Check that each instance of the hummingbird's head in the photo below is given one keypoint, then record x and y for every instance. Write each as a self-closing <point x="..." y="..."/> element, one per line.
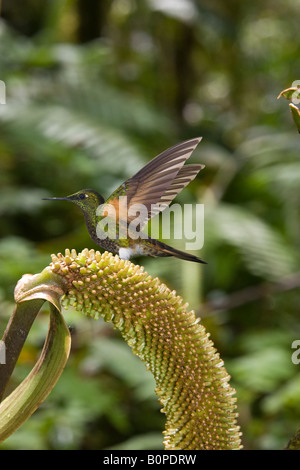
<point x="87" y="199"/>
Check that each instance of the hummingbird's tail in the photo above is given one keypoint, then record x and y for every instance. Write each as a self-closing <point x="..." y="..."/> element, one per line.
<point x="161" y="249"/>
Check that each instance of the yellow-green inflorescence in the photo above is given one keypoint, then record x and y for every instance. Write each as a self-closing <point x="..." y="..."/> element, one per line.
<point x="191" y="381"/>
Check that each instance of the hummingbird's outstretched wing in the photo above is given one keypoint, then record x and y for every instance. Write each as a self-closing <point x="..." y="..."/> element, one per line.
<point x="157" y="183"/>
<point x="185" y="175"/>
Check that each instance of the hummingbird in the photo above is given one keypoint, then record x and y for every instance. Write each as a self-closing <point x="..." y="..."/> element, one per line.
<point x="151" y="189"/>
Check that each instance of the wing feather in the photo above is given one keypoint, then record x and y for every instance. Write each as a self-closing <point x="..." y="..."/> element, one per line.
<point x="185" y="175"/>
<point x="160" y="180"/>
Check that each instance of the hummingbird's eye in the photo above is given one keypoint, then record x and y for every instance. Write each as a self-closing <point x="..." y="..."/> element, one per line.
<point x="82" y="196"/>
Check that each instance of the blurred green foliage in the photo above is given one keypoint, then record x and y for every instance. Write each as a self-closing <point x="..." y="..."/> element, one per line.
<point x="94" y="90"/>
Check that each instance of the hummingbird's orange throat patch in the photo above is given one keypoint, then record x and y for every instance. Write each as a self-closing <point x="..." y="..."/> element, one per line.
<point x="116" y="208"/>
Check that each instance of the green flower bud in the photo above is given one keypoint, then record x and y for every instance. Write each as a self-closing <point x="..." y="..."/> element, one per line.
<point x="191" y="382"/>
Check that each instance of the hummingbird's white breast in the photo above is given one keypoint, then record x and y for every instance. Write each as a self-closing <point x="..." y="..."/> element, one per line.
<point x="127" y="253"/>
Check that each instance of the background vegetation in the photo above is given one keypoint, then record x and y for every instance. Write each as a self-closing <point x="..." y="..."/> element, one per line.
<point x="94" y="90"/>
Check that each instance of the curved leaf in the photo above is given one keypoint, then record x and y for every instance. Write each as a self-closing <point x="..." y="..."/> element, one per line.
<point x="26" y="398"/>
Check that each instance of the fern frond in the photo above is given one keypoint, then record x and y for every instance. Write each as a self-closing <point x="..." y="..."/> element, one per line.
<point x="262" y="248"/>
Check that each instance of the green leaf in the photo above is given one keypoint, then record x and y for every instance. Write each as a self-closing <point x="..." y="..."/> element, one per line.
<point x="293" y="94"/>
<point x="26" y="398"/>
<point x="296" y="115"/>
<point x="290" y="93"/>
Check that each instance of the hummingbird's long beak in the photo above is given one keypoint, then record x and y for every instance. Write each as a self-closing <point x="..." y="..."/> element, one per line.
<point x="55" y="199"/>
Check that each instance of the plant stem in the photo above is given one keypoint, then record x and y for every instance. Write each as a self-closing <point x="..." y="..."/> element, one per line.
<point x="14" y="337"/>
